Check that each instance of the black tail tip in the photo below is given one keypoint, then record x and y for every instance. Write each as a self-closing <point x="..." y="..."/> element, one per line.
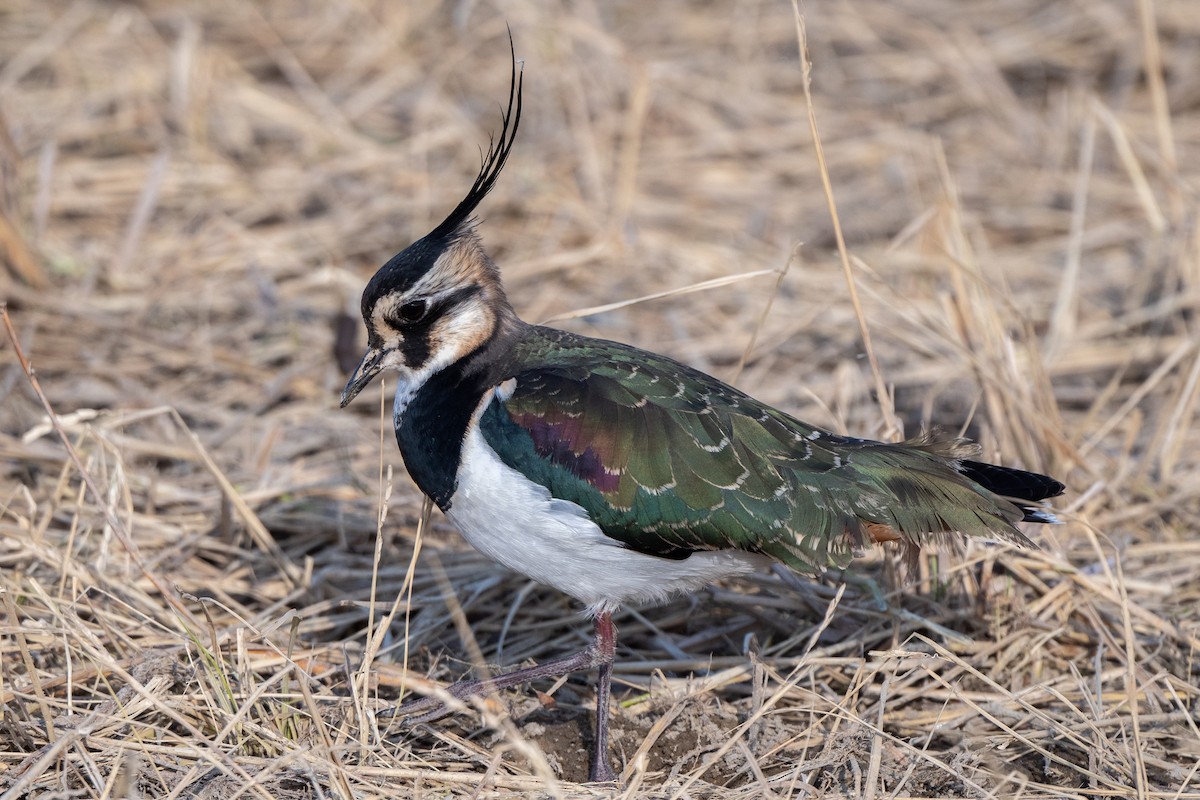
<point x="1017" y="484"/>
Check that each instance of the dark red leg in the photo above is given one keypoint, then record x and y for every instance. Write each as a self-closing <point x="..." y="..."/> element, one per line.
<point x="605" y="646"/>
<point x="599" y="653"/>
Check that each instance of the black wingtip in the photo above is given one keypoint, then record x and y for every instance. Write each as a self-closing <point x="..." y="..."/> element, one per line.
<point x="497" y="152"/>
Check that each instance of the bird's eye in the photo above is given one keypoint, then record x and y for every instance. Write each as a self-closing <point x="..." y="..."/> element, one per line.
<point x="412" y="311"/>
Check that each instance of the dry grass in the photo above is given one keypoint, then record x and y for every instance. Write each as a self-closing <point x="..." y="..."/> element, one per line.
<point x="194" y="193"/>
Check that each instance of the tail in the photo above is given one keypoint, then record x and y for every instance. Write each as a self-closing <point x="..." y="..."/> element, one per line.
<point x="1022" y="487"/>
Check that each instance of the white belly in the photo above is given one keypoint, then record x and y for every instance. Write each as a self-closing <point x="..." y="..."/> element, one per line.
<point x="515" y="521"/>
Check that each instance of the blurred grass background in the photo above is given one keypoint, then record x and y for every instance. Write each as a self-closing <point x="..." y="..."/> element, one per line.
<point x="194" y="195"/>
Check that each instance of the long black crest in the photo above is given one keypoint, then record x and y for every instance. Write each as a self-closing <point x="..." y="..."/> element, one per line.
<point x="497" y="154"/>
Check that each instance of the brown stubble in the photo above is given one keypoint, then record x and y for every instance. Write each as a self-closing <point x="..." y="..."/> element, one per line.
<point x="207" y="187"/>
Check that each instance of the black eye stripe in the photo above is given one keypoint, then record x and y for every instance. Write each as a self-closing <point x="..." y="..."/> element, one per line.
<point x="431" y="310"/>
<point x="416" y="345"/>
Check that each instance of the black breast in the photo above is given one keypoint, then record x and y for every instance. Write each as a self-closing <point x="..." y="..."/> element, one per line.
<point x="432" y="430"/>
<point x="434" y="426"/>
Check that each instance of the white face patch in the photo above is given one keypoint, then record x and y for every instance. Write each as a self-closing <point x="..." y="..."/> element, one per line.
<point x="463" y="329"/>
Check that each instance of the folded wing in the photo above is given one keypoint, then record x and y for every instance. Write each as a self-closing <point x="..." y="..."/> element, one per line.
<point x="668" y="461"/>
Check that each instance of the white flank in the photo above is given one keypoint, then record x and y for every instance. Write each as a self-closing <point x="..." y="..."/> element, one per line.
<point x="516" y="522"/>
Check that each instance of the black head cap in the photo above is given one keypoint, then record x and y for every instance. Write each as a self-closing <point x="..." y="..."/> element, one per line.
<point x="406" y="267"/>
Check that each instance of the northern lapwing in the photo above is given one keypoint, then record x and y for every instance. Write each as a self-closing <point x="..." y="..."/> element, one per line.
<point x="617" y="475"/>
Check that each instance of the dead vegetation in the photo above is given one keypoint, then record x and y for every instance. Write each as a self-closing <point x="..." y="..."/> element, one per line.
<point x="196" y="598"/>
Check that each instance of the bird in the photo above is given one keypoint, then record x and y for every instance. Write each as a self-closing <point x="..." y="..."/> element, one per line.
<point x="617" y="475"/>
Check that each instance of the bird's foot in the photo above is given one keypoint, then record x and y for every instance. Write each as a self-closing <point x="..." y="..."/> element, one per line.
<point x="601" y="771"/>
<point x="436" y="706"/>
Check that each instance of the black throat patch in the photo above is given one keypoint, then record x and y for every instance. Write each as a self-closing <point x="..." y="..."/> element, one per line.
<point x="434" y="425"/>
<point x="432" y="430"/>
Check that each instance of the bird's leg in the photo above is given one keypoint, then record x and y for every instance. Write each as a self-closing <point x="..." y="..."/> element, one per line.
<point x="605" y="646"/>
<point x="599" y="653"/>
<point x="433" y="707"/>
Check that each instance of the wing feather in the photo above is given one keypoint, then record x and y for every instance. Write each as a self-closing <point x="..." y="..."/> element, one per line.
<point x="668" y="461"/>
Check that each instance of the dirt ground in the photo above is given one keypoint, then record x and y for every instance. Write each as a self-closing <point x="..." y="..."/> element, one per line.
<point x="213" y="582"/>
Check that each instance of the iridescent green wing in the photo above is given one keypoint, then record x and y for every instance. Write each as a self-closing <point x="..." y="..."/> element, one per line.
<point x="668" y="460"/>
